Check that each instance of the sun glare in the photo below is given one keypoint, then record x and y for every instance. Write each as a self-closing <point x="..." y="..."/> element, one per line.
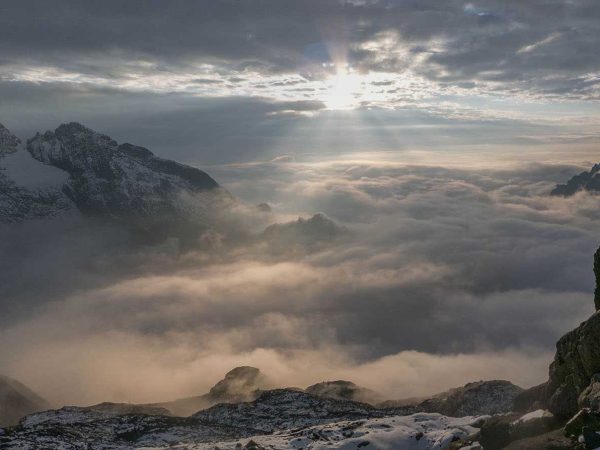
<point x="343" y="90"/>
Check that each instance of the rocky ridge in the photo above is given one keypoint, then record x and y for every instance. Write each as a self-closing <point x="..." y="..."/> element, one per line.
<point x="103" y="179"/>
<point x="585" y="181"/>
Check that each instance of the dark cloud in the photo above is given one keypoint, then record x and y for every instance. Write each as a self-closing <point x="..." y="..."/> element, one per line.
<point x="516" y="45"/>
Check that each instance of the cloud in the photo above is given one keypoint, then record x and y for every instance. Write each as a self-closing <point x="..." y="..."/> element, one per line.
<point x="531" y="49"/>
<point x="473" y="273"/>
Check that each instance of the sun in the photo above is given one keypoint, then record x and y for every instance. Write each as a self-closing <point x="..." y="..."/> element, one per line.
<point x="343" y="90"/>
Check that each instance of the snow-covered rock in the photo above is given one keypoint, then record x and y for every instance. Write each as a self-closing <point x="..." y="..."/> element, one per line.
<point x="124" y="182"/>
<point x="28" y="188"/>
<point x="72" y="428"/>
<point x="281" y="409"/>
<point x="418" y="431"/>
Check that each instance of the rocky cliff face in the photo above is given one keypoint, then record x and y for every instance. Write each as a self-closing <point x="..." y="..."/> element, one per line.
<point x="585" y="181"/>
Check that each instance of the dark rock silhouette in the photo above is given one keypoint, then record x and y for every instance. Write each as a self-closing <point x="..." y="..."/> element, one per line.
<point x="585" y="181"/>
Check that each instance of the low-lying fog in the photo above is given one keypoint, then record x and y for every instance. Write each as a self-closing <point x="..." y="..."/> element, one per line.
<point x="437" y="275"/>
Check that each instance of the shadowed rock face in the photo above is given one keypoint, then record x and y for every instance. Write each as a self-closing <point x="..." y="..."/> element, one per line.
<point x="585" y="181"/>
<point x="17" y="401"/>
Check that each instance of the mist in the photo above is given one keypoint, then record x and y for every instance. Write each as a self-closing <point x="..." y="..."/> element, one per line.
<point x="412" y="271"/>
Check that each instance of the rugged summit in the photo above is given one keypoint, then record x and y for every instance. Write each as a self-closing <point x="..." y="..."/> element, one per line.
<point x="239" y="385"/>
<point x="585" y="181"/>
<point x="78" y="170"/>
<point x="17" y="401"/>
<point x="123" y="182"/>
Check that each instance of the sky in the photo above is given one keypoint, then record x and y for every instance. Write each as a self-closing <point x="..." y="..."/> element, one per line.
<point x="429" y="132"/>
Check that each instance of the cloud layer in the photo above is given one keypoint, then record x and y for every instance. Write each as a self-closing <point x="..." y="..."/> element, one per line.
<point x="473" y="273"/>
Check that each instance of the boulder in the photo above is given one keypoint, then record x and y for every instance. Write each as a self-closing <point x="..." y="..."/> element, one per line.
<point x="533" y="424"/>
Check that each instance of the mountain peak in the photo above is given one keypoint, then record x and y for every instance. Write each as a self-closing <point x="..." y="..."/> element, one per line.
<point x="239" y="384"/>
<point x="585" y="181"/>
<point x="124" y="182"/>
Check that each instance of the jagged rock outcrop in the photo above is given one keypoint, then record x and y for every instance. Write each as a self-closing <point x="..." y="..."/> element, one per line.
<point x="17" y="401"/>
<point x="585" y="181"/>
<point x="241" y="384"/>
<point x="304" y="233"/>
